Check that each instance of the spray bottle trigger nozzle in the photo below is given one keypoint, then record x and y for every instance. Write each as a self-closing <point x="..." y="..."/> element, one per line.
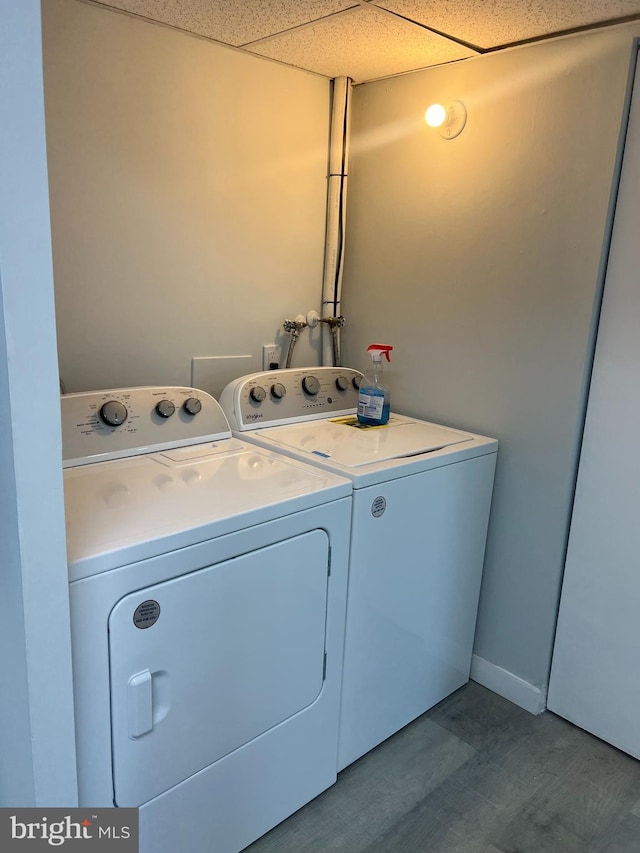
<point x="382" y="349"/>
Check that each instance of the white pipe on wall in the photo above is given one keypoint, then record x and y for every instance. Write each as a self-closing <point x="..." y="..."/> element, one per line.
<point x="336" y="210"/>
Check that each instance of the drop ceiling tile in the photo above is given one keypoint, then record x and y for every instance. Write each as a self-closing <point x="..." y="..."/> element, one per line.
<point x="362" y="43"/>
<point x="233" y="22"/>
<point x="490" y="23"/>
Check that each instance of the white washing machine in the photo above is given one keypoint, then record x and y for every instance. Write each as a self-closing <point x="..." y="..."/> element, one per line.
<point x="208" y="587"/>
<point x="421" y="500"/>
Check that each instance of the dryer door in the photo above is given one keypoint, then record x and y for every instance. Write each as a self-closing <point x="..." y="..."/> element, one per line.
<point x="204" y="663"/>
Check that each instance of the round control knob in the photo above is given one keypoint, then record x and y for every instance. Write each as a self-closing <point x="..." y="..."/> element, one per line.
<point x="356" y="382"/>
<point x="257" y="394"/>
<point x="165" y="408"/>
<point x="114" y="413"/>
<point x="310" y="385"/>
<point x="192" y="406"/>
<point x="278" y="390"/>
<point x="342" y="383"/>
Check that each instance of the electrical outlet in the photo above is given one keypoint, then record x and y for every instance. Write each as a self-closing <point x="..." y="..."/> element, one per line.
<point x="271" y="356"/>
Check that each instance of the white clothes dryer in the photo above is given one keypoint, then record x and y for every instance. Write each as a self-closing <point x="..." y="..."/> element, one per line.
<point x="207" y="589"/>
<point x="421" y="500"/>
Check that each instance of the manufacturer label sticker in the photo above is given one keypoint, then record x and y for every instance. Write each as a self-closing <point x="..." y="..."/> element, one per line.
<point x="378" y="506"/>
<point x="146" y="614"/>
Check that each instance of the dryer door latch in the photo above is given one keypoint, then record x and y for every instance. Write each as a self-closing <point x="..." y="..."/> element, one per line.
<point x="140" y="704"/>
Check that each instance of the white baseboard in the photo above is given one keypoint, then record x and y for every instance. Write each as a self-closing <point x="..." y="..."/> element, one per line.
<point x="505" y="683"/>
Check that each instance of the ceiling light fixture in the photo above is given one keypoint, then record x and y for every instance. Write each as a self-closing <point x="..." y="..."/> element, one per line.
<point x="449" y="119"/>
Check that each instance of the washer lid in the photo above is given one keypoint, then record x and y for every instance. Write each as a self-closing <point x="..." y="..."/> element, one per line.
<point x="344" y="442"/>
<point x="125" y="510"/>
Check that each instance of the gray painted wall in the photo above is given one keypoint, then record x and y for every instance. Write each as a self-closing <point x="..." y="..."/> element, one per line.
<point x="479" y="260"/>
<point x="37" y="747"/>
<point x="188" y="195"/>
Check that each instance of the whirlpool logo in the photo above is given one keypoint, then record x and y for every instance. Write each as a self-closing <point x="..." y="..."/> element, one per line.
<point x="42" y="829"/>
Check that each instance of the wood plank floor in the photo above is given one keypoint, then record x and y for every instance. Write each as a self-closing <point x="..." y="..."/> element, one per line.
<point x="476" y="774"/>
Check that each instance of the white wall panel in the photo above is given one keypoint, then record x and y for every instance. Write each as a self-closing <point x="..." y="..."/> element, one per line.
<point x="594" y="679"/>
<point x="37" y="745"/>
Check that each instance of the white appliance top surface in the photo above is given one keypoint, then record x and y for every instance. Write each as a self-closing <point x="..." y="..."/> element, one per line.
<point x="124" y="510"/>
<point x="153" y="469"/>
<point x="343" y="443"/>
<point x="374" y="456"/>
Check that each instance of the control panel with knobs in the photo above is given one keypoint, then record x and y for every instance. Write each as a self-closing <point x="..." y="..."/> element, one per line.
<point x="295" y="395"/>
<point x="105" y="425"/>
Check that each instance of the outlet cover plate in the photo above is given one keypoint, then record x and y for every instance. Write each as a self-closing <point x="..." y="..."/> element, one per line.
<point x="271" y="354"/>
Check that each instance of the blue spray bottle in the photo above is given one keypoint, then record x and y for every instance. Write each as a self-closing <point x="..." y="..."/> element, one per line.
<point x="374" y="398"/>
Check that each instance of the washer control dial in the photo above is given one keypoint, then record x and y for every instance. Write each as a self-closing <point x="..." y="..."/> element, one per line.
<point x="310" y="385"/>
<point x="342" y="383"/>
<point x="165" y="408"/>
<point x="356" y="382"/>
<point x="257" y="394"/>
<point x="192" y="405"/>
<point x="278" y="391"/>
<point x="113" y="413"/>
